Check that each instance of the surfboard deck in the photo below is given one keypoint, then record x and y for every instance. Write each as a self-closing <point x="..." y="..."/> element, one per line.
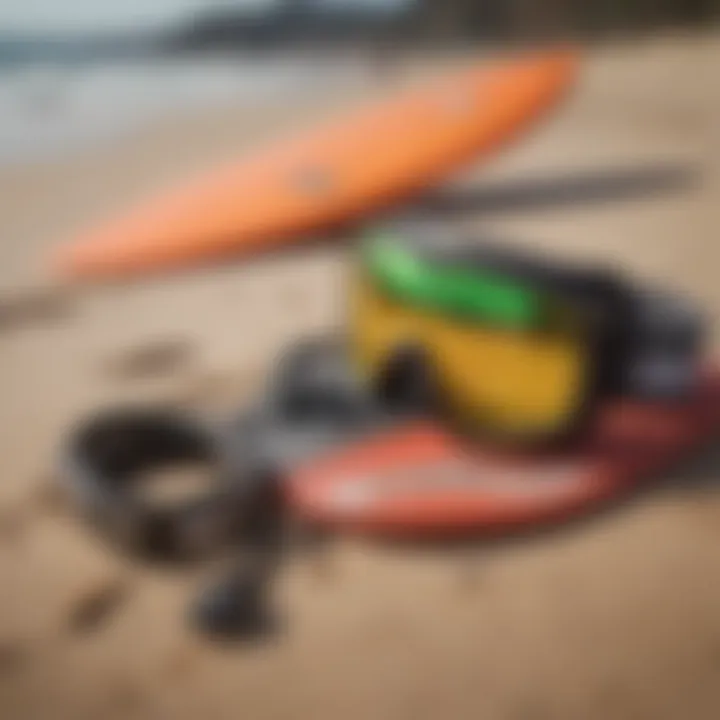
<point x="420" y="481"/>
<point x="330" y="176"/>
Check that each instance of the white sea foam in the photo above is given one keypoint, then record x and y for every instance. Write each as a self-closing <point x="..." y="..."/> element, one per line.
<point x="49" y="111"/>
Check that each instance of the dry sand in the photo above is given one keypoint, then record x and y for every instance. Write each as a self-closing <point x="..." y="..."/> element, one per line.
<point x="615" y="618"/>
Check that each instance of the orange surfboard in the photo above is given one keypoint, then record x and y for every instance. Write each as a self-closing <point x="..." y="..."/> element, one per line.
<point x="335" y="174"/>
<point x="421" y="481"/>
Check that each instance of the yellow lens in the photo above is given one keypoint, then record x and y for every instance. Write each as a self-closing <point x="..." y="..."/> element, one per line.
<point x="514" y="383"/>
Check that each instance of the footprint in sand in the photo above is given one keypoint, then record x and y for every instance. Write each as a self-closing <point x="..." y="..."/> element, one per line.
<point x="95" y="607"/>
<point x="150" y="360"/>
<point x="35" y="307"/>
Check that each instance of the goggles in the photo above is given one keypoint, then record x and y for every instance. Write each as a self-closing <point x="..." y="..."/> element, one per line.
<point x="510" y="356"/>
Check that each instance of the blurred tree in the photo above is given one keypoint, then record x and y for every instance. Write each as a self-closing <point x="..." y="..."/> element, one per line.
<point x="519" y="19"/>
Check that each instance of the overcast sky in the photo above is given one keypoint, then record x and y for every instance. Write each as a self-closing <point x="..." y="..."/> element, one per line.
<point x="88" y="15"/>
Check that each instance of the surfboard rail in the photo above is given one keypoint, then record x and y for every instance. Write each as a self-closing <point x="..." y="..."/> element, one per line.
<point x="335" y="174"/>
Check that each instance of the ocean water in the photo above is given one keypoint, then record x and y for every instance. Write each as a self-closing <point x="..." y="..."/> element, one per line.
<point x="49" y="111"/>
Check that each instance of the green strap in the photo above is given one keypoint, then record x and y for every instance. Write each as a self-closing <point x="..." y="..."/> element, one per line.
<point x="475" y="294"/>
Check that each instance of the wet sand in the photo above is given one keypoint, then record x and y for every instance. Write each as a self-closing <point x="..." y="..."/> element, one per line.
<point x="613" y="618"/>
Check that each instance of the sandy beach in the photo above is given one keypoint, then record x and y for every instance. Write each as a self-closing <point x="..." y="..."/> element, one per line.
<point x="615" y="618"/>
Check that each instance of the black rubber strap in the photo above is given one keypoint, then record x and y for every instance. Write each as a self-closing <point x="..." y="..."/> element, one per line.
<point x="106" y="456"/>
